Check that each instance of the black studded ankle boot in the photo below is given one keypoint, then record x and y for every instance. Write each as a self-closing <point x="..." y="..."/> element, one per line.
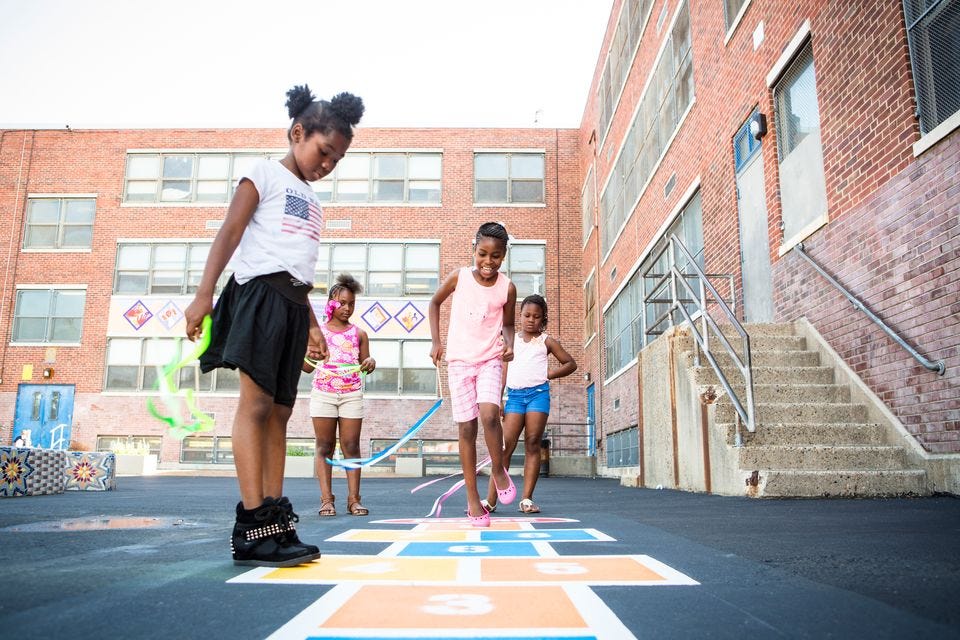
<point x="290" y="535"/>
<point x="259" y="538"/>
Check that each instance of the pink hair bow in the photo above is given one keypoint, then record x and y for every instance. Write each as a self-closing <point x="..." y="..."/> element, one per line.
<point x="332" y="305"/>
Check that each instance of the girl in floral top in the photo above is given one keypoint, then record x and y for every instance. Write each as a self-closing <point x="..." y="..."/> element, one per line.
<point x="337" y="397"/>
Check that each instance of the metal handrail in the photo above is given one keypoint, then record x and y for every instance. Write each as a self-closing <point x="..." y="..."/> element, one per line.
<point x="747" y="414"/>
<point x="939" y="366"/>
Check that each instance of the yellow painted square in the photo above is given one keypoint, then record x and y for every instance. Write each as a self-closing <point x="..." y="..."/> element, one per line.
<point x="336" y="569"/>
<point x="567" y="569"/>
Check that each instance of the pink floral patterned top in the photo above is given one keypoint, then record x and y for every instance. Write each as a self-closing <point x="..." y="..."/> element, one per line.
<point x="344" y="347"/>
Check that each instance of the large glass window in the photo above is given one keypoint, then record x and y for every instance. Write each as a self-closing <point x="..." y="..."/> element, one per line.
<point x="176" y="177"/>
<point x="59" y="223"/>
<point x="48" y="315"/>
<point x="628" y="318"/>
<point x="590" y="306"/>
<point x="508" y="178"/>
<point x="383" y="177"/>
<point x="731" y="9"/>
<point x="133" y="364"/>
<point x="207" y="450"/>
<point x="161" y="268"/>
<point x="587" y="206"/>
<point x="664" y="102"/>
<point x="526" y="268"/>
<point x="385" y="269"/>
<point x="623" y="45"/>
<point x="404" y="368"/>
<point x="932" y="28"/>
<point x="803" y="190"/>
<point x="135" y="445"/>
<point x="623" y="448"/>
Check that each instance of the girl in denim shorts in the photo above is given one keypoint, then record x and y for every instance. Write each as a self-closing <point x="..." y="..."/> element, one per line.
<point x="528" y="394"/>
<point x="337" y="397"/>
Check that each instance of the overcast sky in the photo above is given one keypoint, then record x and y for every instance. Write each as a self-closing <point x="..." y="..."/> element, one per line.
<point x="215" y="63"/>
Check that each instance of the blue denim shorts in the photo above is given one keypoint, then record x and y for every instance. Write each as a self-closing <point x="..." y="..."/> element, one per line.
<point x="529" y="399"/>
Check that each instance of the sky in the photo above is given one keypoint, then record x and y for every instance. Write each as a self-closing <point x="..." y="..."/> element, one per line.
<point x="214" y="63"/>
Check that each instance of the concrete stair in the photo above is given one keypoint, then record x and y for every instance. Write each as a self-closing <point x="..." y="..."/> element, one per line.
<point x="810" y="440"/>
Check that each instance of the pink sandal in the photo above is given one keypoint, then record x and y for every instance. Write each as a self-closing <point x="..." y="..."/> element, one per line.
<point x="506" y="496"/>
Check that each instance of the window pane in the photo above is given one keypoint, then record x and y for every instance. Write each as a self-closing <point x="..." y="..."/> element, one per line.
<point x="526" y="166"/>
<point x="143" y="166"/>
<point x="527" y="284"/>
<point x="423" y="256"/>
<point x="242" y="165"/>
<point x="69" y="303"/>
<point x="383" y="381"/>
<point x="131" y="283"/>
<point x="492" y="191"/>
<point x="490" y="165"/>
<point x="419" y="283"/>
<point x="37" y="237"/>
<point x="159" y="351"/>
<point x="527" y="192"/>
<point x="33" y="303"/>
<point x="323" y="189"/>
<point x="527" y="257"/>
<point x="384" y="257"/>
<point x="210" y="167"/>
<point x="178" y="167"/>
<point x="416" y="354"/>
<point x="424" y="191"/>
<point x="122" y="378"/>
<point x="420" y="381"/>
<point x="424" y="166"/>
<point x="386" y="353"/>
<point x="388" y="191"/>
<point x="77" y="236"/>
<point x="353" y="166"/>
<point x="212" y="191"/>
<point x="228" y="380"/>
<point x="30" y="329"/>
<point x="389" y="166"/>
<point x="350" y="258"/>
<point x="123" y="351"/>
<point x="384" y="283"/>
<point x="141" y="191"/>
<point x="45" y="210"/>
<point x="352" y="191"/>
<point x="173" y="191"/>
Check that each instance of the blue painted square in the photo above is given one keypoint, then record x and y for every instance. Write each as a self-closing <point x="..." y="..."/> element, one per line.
<point x="470" y="549"/>
<point x="471" y="637"/>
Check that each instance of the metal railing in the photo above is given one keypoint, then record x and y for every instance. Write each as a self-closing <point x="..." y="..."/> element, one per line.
<point x="569" y="438"/>
<point x="939" y="366"/>
<point x="682" y="295"/>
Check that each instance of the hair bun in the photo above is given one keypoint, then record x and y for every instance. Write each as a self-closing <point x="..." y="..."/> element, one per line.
<point x="347" y="106"/>
<point x="298" y="99"/>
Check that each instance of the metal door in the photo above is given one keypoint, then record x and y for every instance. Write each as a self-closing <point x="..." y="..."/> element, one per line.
<point x="754" y="238"/>
<point x="591" y="423"/>
<point x="44" y="412"/>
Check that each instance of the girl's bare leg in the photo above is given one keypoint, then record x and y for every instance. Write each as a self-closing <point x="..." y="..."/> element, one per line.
<point x="536" y="422"/>
<point x="325" y="433"/>
<point x="512" y="426"/>
<point x="275" y="450"/>
<point x="251" y="434"/>
<point x="350" y="445"/>
<point x="468" y="463"/>
<point x="493" y="436"/>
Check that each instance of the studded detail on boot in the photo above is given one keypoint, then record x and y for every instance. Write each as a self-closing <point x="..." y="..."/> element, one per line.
<point x="259" y="538"/>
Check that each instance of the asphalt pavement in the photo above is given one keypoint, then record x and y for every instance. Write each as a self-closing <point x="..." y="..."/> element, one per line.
<point x="151" y="560"/>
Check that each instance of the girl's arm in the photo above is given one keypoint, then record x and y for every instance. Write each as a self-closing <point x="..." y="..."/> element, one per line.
<point x="509" y="317"/>
<point x="316" y="343"/>
<point x="443" y="292"/>
<point x="567" y="364"/>
<point x="244" y="203"/>
<point x="367" y="363"/>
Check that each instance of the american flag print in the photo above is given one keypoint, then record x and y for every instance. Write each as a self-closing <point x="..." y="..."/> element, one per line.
<point x="301" y="217"/>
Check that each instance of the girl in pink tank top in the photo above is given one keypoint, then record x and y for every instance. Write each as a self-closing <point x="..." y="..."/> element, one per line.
<point x="479" y="341"/>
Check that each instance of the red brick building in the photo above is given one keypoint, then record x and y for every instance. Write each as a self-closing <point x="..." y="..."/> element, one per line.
<point x="745" y="127"/>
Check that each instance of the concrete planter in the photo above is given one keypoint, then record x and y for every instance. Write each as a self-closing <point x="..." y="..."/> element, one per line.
<point x="136" y="465"/>
<point x="299" y="467"/>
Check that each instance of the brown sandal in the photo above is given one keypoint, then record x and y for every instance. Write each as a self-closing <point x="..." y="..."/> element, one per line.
<point x="354" y="507"/>
<point x="327" y="508"/>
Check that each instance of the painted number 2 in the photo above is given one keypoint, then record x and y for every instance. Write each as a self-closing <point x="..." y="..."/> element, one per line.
<point x="458" y="604"/>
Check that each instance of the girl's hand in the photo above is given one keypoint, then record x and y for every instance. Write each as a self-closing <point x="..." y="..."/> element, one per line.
<point x="507" y="353"/>
<point x="194" y="314"/>
<point x="436" y="354"/>
<point x="368" y="365"/>
<point x="317" y="345"/>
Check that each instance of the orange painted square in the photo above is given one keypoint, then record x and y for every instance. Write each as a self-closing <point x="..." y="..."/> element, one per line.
<point x="567" y="569"/>
<point x="385" y="607"/>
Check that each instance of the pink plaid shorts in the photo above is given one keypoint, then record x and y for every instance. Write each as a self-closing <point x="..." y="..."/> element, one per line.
<point x="472" y="383"/>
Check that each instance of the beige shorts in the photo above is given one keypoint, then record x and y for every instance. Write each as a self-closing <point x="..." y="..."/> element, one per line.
<point x="336" y="405"/>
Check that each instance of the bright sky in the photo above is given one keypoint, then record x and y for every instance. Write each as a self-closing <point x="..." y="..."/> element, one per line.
<point x="218" y="63"/>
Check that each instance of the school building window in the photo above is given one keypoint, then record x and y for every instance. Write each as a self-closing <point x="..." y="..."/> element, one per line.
<point x="133" y="363"/>
<point x="135" y="445"/>
<point x="385" y="269"/>
<point x="383" y="177"/>
<point x="628" y="318"/>
<point x="207" y="450"/>
<point x="586" y="206"/>
<point x="590" y="305"/>
<point x="932" y="28"/>
<point x="508" y="178"/>
<point x="526" y="267"/>
<point x="403" y="368"/>
<point x="803" y="188"/>
<point x="163" y="268"/>
<point x="731" y="11"/>
<point x="48" y="315"/>
<point x="623" y="448"/>
<point x="177" y="177"/>
<point x="623" y="46"/>
<point x="59" y="223"/>
<point x="436" y="453"/>
<point x="665" y="101"/>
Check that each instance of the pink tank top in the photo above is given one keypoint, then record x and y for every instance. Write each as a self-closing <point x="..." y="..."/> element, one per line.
<point x="476" y="319"/>
<point x="344" y="347"/>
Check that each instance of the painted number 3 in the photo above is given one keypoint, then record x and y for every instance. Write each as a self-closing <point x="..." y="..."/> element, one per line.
<point x="458" y="604"/>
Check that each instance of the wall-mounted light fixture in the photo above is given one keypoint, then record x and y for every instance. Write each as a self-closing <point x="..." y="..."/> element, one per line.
<point x="48" y="372"/>
<point x="758" y="125"/>
<point x="586" y="376"/>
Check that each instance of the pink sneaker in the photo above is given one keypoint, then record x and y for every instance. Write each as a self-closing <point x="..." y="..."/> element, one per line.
<point x="479" y="521"/>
